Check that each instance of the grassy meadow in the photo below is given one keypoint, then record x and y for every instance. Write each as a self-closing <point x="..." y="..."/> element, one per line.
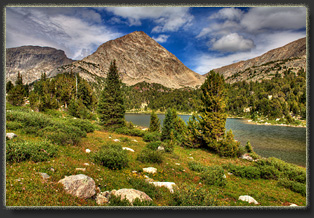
<point x="55" y="143"/>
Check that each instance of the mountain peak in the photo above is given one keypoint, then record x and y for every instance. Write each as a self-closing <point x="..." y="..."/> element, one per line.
<point x="139" y="58"/>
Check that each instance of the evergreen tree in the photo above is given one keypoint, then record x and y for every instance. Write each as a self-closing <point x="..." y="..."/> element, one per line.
<point x="111" y="108"/>
<point x="167" y="125"/>
<point x="192" y="137"/>
<point x="17" y="93"/>
<point x="212" y="114"/>
<point x="9" y="86"/>
<point x="154" y="125"/>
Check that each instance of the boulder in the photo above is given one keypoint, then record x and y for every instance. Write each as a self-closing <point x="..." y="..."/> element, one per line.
<point x="128" y="149"/>
<point x="87" y="151"/>
<point x="80" y="186"/>
<point x="116" y="140"/>
<point x="293" y="205"/>
<point x="44" y="175"/>
<point x="147" y="179"/>
<point x="168" y="185"/>
<point x="131" y="194"/>
<point x="150" y="170"/>
<point x="10" y="135"/>
<point x="247" y="157"/>
<point x="161" y="148"/>
<point x="248" y="199"/>
<point x="102" y="198"/>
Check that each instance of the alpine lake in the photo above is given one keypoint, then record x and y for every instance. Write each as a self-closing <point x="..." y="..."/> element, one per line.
<point x="283" y="142"/>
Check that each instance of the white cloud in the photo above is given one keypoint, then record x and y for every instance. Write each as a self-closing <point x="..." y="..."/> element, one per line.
<point x="228" y="13"/>
<point x="77" y="36"/>
<point x="232" y="43"/>
<point x="161" y="38"/>
<point x="165" y="18"/>
<point x="274" y="18"/>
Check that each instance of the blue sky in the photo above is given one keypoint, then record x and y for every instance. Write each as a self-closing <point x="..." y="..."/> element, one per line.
<point x="203" y="38"/>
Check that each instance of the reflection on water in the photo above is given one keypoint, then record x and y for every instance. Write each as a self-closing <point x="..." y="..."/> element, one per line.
<point x="286" y="143"/>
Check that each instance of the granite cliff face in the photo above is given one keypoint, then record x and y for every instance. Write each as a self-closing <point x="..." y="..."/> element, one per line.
<point x="292" y="55"/>
<point x="32" y="61"/>
<point x="139" y="58"/>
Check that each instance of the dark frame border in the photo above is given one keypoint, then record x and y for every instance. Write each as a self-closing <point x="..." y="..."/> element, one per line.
<point x="234" y="211"/>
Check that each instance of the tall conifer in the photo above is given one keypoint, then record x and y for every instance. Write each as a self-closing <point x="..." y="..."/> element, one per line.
<point x="212" y="114"/>
<point x="154" y="125"/>
<point x="17" y="93"/>
<point x="111" y="109"/>
<point x="167" y="125"/>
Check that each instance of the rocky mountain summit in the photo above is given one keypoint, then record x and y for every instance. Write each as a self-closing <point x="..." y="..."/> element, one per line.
<point x="32" y="61"/>
<point x="139" y="58"/>
<point x="292" y="55"/>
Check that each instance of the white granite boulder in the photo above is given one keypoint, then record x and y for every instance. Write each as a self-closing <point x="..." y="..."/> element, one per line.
<point x="248" y="198"/>
<point x="10" y="135"/>
<point x="247" y="157"/>
<point x="151" y="170"/>
<point x="79" y="185"/>
<point x="131" y="195"/>
<point x="161" y="148"/>
<point x="102" y="198"/>
<point x="128" y="149"/>
<point x="168" y="185"/>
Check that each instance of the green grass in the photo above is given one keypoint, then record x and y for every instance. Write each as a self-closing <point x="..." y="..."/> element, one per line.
<point x="25" y="187"/>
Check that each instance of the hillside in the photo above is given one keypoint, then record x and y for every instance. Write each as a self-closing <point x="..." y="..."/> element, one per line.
<point x="292" y="55"/>
<point x="33" y="178"/>
<point x="32" y="61"/>
<point x="139" y="58"/>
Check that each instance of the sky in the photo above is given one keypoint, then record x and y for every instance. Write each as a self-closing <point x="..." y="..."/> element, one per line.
<point x="203" y="38"/>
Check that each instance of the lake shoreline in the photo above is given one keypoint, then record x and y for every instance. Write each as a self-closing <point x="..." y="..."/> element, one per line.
<point x="247" y="120"/>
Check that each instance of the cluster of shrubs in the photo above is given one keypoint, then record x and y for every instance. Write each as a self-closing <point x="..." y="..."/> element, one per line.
<point x="111" y="156"/>
<point x="20" y="150"/>
<point x="213" y="175"/>
<point x="148" y="155"/>
<point x="151" y="154"/>
<point x="129" y="131"/>
<point x="192" y="195"/>
<point x="288" y="175"/>
<point x="58" y="130"/>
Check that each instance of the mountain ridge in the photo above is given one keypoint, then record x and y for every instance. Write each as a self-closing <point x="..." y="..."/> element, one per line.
<point x="32" y="61"/>
<point x="291" y="55"/>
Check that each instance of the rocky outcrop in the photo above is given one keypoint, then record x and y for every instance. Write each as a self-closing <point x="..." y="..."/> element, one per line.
<point x="292" y="55"/>
<point x="32" y="61"/>
<point x="80" y="186"/>
<point x="139" y="58"/>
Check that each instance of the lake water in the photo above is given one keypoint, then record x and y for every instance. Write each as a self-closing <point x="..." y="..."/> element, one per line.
<point x="286" y="143"/>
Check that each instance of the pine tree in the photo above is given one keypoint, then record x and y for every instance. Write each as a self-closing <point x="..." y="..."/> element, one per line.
<point x="212" y="114"/>
<point x="111" y="108"/>
<point x="9" y="86"/>
<point x="167" y="125"/>
<point x="17" y="93"/>
<point x="192" y="137"/>
<point x="154" y="125"/>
